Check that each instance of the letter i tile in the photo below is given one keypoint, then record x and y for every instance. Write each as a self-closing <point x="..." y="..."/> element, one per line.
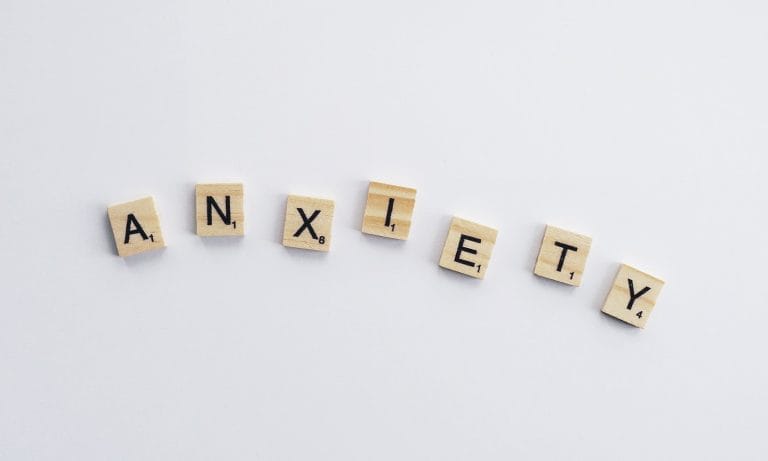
<point x="389" y="210"/>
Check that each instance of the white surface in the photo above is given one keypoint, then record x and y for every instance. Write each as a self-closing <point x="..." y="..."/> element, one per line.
<point x="643" y="126"/>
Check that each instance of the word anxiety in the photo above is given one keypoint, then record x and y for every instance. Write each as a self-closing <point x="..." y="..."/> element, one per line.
<point x="388" y="213"/>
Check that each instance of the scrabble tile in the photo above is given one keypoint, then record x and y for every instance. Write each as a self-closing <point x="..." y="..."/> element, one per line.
<point x="308" y="223"/>
<point x="633" y="296"/>
<point x="468" y="248"/>
<point x="562" y="256"/>
<point x="136" y="226"/>
<point x="388" y="210"/>
<point x="219" y="209"/>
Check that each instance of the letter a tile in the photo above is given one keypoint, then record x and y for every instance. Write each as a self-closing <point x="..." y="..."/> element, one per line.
<point x="633" y="296"/>
<point x="219" y="209"/>
<point x="468" y="248"/>
<point x="308" y="223"/>
<point x="562" y="256"/>
<point x="388" y="210"/>
<point x="136" y="226"/>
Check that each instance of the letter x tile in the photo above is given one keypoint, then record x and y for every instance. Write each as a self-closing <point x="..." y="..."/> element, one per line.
<point x="308" y="223"/>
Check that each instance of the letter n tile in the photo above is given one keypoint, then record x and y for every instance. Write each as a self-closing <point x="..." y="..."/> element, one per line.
<point x="219" y="210"/>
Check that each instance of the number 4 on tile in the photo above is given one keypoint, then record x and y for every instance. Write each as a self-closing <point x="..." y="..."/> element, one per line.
<point x="633" y="296"/>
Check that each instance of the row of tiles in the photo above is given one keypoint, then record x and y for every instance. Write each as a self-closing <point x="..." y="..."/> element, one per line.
<point x="388" y="213"/>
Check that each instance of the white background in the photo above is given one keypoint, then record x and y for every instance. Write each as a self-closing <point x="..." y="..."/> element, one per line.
<point x="642" y="124"/>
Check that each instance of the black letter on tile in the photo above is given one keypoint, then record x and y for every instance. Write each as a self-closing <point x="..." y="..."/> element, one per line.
<point x="461" y="248"/>
<point x="566" y="248"/>
<point x="390" y="207"/>
<point x="633" y="296"/>
<point x="307" y="223"/>
<point x="211" y="203"/>
<point x="131" y="221"/>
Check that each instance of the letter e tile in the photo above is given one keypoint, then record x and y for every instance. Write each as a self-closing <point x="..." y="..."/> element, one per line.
<point x="468" y="248"/>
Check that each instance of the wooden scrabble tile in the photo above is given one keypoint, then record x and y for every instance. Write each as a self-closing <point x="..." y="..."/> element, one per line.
<point x="562" y="256"/>
<point x="136" y="226"/>
<point x="219" y="209"/>
<point x="633" y="296"/>
<point x="308" y="223"/>
<point x="468" y="248"/>
<point x="388" y="210"/>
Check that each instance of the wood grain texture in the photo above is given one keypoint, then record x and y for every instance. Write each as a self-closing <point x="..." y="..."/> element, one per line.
<point x="210" y="222"/>
<point x="389" y="210"/>
<point x="313" y="236"/>
<point x="633" y="296"/>
<point x="563" y="256"/>
<point x="136" y="226"/>
<point x="468" y="248"/>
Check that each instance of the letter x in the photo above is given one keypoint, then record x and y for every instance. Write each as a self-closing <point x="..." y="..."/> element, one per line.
<point x="307" y="223"/>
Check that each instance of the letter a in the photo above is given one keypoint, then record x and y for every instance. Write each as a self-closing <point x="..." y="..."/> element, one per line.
<point x="131" y="221"/>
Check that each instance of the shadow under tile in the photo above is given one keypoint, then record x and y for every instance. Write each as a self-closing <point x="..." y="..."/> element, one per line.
<point x="144" y="258"/>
